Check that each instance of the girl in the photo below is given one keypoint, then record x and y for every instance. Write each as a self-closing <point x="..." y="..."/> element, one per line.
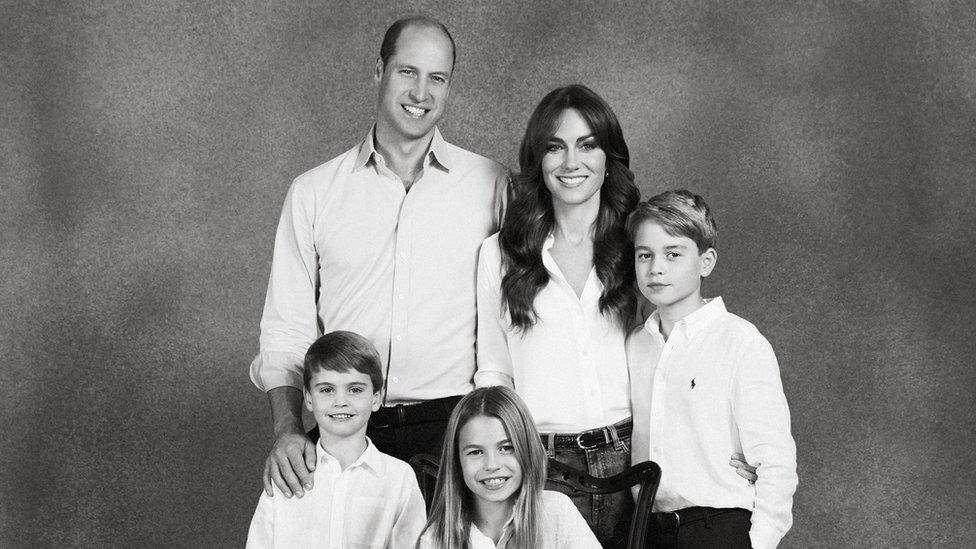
<point x="490" y="484"/>
<point x="556" y="292"/>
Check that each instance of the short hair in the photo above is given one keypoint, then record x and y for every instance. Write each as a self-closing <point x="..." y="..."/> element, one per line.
<point x="388" y="47"/>
<point x="452" y="511"/>
<point x="342" y="351"/>
<point x="680" y="213"/>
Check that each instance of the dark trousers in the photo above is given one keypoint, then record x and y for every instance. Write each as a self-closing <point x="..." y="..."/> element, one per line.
<point x="706" y="528"/>
<point x="406" y="441"/>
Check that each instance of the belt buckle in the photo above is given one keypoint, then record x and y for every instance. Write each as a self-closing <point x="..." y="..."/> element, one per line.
<point x="579" y="442"/>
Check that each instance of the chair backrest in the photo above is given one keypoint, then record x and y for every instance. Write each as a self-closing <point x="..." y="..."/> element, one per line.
<point x="646" y="475"/>
<point x="425" y="466"/>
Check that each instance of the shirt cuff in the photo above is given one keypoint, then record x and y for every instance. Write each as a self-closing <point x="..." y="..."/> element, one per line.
<point x="764" y="537"/>
<point x="490" y="378"/>
<point x="272" y="369"/>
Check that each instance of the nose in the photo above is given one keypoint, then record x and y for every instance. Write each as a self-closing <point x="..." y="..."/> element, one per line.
<point x="491" y="461"/>
<point x="655" y="266"/>
<point x="570" y="161"/>
<point x="419" y="90"/>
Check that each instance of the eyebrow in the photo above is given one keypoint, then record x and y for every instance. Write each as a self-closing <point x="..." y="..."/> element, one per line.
<point x="580" y="139"/>
<point x="671" y="247"/>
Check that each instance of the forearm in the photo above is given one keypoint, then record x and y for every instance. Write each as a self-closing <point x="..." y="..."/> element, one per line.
<point x="286" y="410"/>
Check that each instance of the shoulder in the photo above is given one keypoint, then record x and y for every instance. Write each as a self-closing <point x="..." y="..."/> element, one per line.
<point x="395" y="468"/>
<point x="325" y="173"/>
<point x="476" y="162"/>
<point x="740" y="330"/>
<point x="558" y="505"/>
<point x="638" y="340"/>
<point x="490" y="251"/>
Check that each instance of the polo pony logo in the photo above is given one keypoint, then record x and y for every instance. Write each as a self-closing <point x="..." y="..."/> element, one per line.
<point x="692" y="383"/>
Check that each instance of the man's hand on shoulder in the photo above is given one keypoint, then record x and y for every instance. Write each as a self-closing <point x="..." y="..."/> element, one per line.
<point x="290" y="465"/>
<point x="292" y="458"/>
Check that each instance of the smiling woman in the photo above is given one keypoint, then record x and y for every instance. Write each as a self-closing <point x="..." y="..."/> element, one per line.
<point x="555" y="292"/>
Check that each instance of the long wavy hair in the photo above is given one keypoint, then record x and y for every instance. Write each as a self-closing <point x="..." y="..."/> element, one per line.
<point x="529" y="218"/>
<point x="452" y="512"/>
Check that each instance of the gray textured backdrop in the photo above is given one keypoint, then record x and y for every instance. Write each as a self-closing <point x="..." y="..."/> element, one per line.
<point x="145" y="151"/>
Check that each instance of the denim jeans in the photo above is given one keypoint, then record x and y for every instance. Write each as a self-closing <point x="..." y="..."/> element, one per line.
<point x="607" y="515"/>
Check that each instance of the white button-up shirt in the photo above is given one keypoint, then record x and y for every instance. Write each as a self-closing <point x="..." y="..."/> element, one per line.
<point x="570" y="368"/>
<point x="711" y="390"/>
<point x="375" y="502"/>
<point x="355" y="251"/>
<point x="561" y="527"/>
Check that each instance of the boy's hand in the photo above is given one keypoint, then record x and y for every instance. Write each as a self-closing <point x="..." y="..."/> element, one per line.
<point x="290" y="464"/>
<point x="743" y="469"/>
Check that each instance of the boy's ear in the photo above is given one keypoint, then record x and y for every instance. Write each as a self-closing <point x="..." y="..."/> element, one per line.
<point x="308" y="399"/>
<point x="377" y="400"/>
<point x="707" y="261"/>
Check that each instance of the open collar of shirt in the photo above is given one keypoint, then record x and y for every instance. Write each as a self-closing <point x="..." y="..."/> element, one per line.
<point x="370" y="460"/>
<point x="438" y="154"/>
<point x="690" y="325"/>
<point x="479" y="539"/>
<point x="592" y="288"/>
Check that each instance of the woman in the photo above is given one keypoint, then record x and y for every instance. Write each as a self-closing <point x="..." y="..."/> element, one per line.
<point x="556" y="294"/>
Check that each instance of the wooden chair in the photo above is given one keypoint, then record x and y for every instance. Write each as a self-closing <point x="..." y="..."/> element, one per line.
<point x="646" y="475"/>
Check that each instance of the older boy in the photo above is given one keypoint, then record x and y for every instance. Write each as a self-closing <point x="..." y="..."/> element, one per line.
<point x="705" y="384"/>
<point x="369" y="498"/>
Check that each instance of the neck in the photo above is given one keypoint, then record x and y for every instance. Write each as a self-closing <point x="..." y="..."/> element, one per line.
<point x="671" y="314"/>
<point x="491" y="516"/>
<point x="574" y="224"/>
<point x="346" y="449"/>
<point x="404" y="156"/>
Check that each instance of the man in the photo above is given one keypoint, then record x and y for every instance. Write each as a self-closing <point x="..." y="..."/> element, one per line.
<point x="383" y="241"/>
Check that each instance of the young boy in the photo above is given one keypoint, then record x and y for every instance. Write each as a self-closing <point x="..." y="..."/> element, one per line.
<point x="704" y="384"/>
<point x="362" y="497"/>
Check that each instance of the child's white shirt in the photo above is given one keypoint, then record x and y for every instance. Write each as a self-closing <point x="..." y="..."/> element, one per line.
<point x="375" y="502"/>
<point x="711" y="390"/>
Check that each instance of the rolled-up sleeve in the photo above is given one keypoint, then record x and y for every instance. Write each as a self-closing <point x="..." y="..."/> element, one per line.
<point x="290" y="320"/>
<point x="763" y="420"/>
<point x="494" y="359"/>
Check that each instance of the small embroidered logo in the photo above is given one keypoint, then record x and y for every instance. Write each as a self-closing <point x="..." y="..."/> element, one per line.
<point x="692" y="383"/>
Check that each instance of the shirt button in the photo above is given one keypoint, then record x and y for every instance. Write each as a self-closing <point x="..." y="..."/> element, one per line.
<point x="395" y="379"/>
<point x="401" y="296"/>
<point x="399" y="338"/>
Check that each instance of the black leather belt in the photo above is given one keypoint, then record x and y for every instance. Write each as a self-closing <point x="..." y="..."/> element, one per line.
<point x="673" y="519"/>
<point x="411" y="414"/>
<point x="588" y="440"/>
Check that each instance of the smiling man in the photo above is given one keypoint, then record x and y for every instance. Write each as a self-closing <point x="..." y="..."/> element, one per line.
<point x="383" y="241"/>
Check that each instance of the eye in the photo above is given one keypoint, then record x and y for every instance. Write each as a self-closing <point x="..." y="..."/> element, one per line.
<point x="673" y="255"/>
<point x="507" y="449"/>
<point x="643" y="256"/>
<point x="439" y="79"/>
<point x="473" y="452"/>
<point x="327" y="390"/>
<point x="553" y="147"/>
<point x="355" y="390"/>
<point x="406" y="72"/>
<point x="588" y="146"/>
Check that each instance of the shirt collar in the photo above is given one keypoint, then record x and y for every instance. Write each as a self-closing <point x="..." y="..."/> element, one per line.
<point x="691" y="324"/>
<point x="370" y="459"/>
<point x="438" y="152"/>
<point x="475" y="534"/>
